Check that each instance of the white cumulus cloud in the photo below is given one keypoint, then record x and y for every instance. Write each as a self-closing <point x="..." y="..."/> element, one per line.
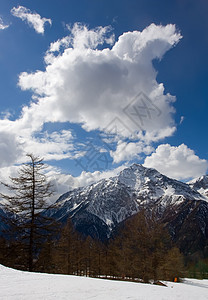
<point x="82" y="84"/>
<point x="98" y="83"/>
<point x="176" y="162"/>
<point x="128" y="151"/>
<point x="32" y="18"/>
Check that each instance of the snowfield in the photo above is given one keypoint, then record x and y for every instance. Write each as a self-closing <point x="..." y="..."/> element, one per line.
<point x="24" y="285"/>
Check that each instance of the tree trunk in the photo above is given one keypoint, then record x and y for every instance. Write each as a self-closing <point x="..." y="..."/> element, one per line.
<point x="31" y="243"/>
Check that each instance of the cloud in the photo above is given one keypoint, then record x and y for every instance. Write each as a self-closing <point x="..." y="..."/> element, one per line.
<point x="85" y="85"/>
<point x="176" y="162"/>
<point x="33" y="19"/>
<point x="182" y="119"/>
<point x="128" y="151"/>
<point x="100" y="84"/>
<point x="9" y="148"/>
<point x="17" y="138"/>
<point x="61" y="183"/>
<point x="2" y="25"/>
<point x="54" y="146"/>
<point x="65" y="182"/>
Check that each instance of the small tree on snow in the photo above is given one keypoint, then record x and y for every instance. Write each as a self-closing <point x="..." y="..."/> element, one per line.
<point x="28" y="196"/>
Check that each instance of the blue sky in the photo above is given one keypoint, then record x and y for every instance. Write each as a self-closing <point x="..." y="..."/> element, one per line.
<point x="70" y="77"/>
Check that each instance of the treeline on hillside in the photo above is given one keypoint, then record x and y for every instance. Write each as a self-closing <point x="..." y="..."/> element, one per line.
<point x="141" y="250"/>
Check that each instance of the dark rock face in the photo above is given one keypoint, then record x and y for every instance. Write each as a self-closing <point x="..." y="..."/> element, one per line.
<point x="89" y="224"/>
<point x="188" y="226"/>
<point x="3" y="226"/>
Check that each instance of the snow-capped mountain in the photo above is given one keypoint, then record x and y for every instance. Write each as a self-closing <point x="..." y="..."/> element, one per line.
<point x="98" y="208"/>
<point x="114" y="199"/>
<point x="151" y="187"/>
<point x="200" y="185"/>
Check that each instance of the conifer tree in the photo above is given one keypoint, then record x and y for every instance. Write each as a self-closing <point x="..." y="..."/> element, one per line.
<point x="27" y="225"/>
<point x="172" y="266"/>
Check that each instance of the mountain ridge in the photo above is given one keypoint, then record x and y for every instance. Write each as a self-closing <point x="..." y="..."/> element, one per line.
<point x="97" y="209"/>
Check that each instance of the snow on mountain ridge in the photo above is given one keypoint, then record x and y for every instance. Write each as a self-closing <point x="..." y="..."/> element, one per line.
<point x="155" y="183"/>
<point x="200" y="185"/>
<point x="113" y="200"/>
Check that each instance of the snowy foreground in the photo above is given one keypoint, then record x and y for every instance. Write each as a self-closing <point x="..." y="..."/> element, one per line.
<point x="23" y="285"/>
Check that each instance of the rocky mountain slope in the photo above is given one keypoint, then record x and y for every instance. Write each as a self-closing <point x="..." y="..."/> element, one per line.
<point x="200" y="185"/>
<point x="98" y="208"/>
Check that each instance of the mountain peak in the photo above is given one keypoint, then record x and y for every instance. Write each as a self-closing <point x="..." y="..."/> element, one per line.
<point x="113" y="200"/>
<point x="200" y="185"/>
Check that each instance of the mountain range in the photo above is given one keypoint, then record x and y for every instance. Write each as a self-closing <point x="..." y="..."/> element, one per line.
<point x="97" y="209"/>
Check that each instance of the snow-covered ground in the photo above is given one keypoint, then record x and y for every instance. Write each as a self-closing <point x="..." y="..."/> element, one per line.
<point x="18" y="285"/>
